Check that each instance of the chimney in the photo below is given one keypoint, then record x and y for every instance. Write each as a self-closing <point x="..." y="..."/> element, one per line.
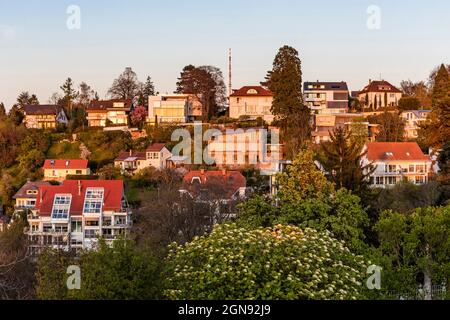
<point x="370" y="81"/>
<point x="67" y="163"/>
<point x="131" y="152"/>
<point x="202" y="171"/>
<point x="79" y="187"/>
<point x="224" y="172"/>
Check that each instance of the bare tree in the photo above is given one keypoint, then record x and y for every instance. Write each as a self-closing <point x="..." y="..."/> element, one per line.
<point x="126" y="86"/>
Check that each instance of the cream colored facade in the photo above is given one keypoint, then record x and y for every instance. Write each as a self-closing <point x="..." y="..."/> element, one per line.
<point x="172" y="108"/>
<point x="61" y="174"/>
<point x="250" y="103"/>
<point x="413" y="119"/>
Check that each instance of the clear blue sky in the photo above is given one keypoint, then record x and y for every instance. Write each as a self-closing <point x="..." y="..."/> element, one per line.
<point x="159" y="37"/>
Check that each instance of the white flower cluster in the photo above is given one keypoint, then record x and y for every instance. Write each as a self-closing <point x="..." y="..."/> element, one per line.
<point x="283" y="262"/>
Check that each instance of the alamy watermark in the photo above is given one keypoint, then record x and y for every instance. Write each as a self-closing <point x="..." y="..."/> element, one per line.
<point x="74" y="280"/>
<point x="73" y="21"/>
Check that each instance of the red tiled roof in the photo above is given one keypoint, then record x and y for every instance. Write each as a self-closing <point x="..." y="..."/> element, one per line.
<point x="103" y="105"/>
<point x="155" y="147"/>
<point x="66" y="164"/>
<point x="402" y="151"/>
<point x="227" y="181"/>
<point x="243" y="92"/>
<point x="113" y="191"/>
<point x="379" y="86"/>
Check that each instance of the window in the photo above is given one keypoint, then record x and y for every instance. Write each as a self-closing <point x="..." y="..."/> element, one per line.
<point x="152" y="155"/>
<point x="90" y="234"/>
<point x="93" y="200"/>
<point x="76" y="226"/>
<point x="420" y="169"/>
<point x="47" y="228"/>
<point x="78" y="172"/>
<point x="392" y="180"/>
<point x="420" y="180"/>
<point x="121" y="221"/>
<point x="61" y="206"/>
<point x="379" y="180"/>
<point x="411" y="168"/>
<point x="61" y="228"/>
<point x="91" y="223"/>
<point x="390" y="168"/>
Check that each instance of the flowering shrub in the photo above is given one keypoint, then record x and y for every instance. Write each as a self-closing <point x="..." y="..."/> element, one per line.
<point x="280" y="262"/>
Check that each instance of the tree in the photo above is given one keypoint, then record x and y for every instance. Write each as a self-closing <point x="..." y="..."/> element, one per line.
<point x="206" y="84"/>
<point x="147" y="89"/>
<point x="56" y="99"/>
<point x="25" y="98"/>
<point x="302" y="180"/>
<point x="119" y="272"/>
<point x="342" y="162"/>
<point x="409" y="103"/>
<point x="109" y="172"/>
<point x="418" y="90"/>
<point x="435" y="132"/>
<point x="416" y="247"/>
<point x="285" y="81"/>
<point x="85" y="94"/>
<point x="16" y="270"/>
<point x="2" y="111"/>
<point x="138" y="116"/>
<point x="16" y="115"/>
<point x="444" y="163"/>
<point x="281" y="262"/>
<point x="126" y="86"/>
<point x="391" y="126"/>
<point x="69" y="93"/>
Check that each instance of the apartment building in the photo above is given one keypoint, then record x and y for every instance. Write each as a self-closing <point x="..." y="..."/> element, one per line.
<point x="326" y="97"/>
<point x="44" y="116"/>
<point x="395" y="162"/>
<point x="379" y="94"/>
<point x="156" y="155"/>
<point x="324" y="124"/>
<point x="173" y="108"/>
<point x="243" y="147"/>
<point x="413" y="119"/>
<point x="252" y="102"/>
<point x="59" y="169"/>
<point x="75" y="214"/>
<point x="100" y="113"/>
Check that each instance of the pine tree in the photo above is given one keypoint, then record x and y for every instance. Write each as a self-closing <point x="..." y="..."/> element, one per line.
<point x="342" y="162"/>
<point x="69" y="93"/>
<point x="285" y="81"/>
<point x="147" y="90"/>
<point x="436" y="131"/>
<point x="2" y="111"/>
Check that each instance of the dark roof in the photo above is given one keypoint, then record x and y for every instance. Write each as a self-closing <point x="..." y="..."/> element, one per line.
<point x="155" y="147"/>
<point x="44" y="109"/>
<point x="244" y="92"/>
<point x="134" y="154"/>
<point x="341" y="86"/>
<point x="379" y="86"/>
<point x="30" y="185"/>
<point x="108" y="104"/>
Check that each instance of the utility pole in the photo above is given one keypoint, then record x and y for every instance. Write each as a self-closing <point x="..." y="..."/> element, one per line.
<point x="230" y="89"/>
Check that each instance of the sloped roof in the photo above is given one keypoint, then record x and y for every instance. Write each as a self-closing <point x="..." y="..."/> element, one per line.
<point x="379" y="86"/>
<point x="246" y="92"/>
<point x="155" y="147"/>
<point x="224" y="183"/>
<point x="134" y="154"/>
<point x="41" y="109"/>
<point x="30" y="185"/>
<point x="66" y="164"/>
<point x="113" y="192"/>
<point x="400" y="151"/>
